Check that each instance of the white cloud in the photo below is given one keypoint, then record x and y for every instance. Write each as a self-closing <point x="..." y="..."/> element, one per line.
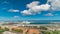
<point x="13" y="10"/>
<point x="35" y="8"/>
<point x="49" y="1"/>
<point x="41" y="7"/>
<point x="49" y="14"/>
<point x="16" y="16"/>
<point x="26" y="12"/>
<point x="35" y="3"/>
<point x="26" y="22"/>
<point x="55" y="4"/>
<point x="5" y="2"/>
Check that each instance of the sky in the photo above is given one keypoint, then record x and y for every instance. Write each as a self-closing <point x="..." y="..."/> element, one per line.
<point x="15" y="10"/>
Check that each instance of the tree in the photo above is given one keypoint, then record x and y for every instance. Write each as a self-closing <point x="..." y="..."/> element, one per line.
<point x="1" y="31"/>
<point x="19" y="30"/>
<point x="6" y="29"/>
<point x="48" y="32"/>
<point x="56" y="32"/>
<point x="43" y="28"/>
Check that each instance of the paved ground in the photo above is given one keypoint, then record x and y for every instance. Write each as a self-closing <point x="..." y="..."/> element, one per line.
<point x="8" y="32"/>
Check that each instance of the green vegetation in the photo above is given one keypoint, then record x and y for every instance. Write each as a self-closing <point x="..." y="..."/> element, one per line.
<point x="48" y="32"/>
<point x="6" y="29"/>
<point x="17" y="30"/>
<point x="34" y="33"/>
<point x="43" y="28"/>
<point x="56" y="32"/>
<point x="52" y="32"/>
<point x="21" y="31"/>
<point x="1" y="31"/>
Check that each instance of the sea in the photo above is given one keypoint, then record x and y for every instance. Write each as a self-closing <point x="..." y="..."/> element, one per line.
<point x="38" y="21"/>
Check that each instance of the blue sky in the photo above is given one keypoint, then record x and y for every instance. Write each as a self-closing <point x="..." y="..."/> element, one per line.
<point x="29" y="10"/>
